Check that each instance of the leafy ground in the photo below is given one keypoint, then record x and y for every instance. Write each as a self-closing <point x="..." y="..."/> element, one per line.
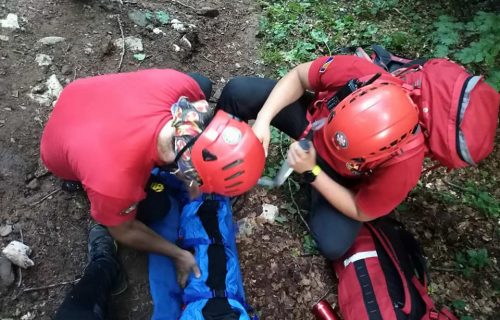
<point x="455" y="216"/>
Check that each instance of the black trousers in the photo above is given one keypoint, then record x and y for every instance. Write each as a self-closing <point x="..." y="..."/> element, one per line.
<point x="332" y="230"/>
<point x="88" y="299"/>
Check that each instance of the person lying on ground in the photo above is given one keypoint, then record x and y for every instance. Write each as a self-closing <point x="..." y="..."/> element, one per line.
<point x="347" y="164"/>
<point x="108" y="132"/>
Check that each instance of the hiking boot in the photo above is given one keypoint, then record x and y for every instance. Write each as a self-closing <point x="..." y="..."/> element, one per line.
<point x="71" y="186"/>
<point x="101" y="246"/>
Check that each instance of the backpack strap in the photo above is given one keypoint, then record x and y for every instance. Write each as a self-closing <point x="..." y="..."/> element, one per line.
<point x="432" y="313"/>
<point x="391" y="62"/>
<point x="193" y="242"/>
<point x="390" y="252"/>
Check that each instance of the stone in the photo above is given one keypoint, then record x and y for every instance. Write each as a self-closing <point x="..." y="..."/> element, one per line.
<point x="6" y="272"/>
<point x="10" y="22"/>
<point x="133" y="44"/>
<point x="158" y="31"/>
<point x="28" y="316"/>
<point x="5" y="230"/>
<point x="208" y="12"/>
<point x="47" y="94"/>
<point x="177" y="25"/>
<point x="51" y="40"/>
<point x="43" y="60"/>
<point x="66" y="70"/>
<point x="3" y="38"/>
<point x="185" y="41"/>
<point x="33" y="184"/>
<point x="269" y="213"/>
<point x="17" y="252"/>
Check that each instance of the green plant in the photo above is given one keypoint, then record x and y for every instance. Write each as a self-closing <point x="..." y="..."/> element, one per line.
<point x="478" y="198"/>
<point x="295" y="31"/>
<point x="472" y="260"/>
<point x="458" y="304"/>
<point x="473" y="43"/>
<point x="309" y="245"/>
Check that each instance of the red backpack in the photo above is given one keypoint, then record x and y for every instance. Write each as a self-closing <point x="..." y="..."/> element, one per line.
<point x="384" y="276"/>
<point x="458" y="111"/>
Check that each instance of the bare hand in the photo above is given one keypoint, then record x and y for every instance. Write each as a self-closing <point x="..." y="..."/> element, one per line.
<point x="263" y="132"/>
<point x="185" y="264"/>
<point x="300" y="160"/>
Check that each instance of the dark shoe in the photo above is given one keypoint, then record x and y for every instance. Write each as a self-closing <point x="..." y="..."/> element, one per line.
<point x="101" y="246"/>
<point x="71" y="186"/>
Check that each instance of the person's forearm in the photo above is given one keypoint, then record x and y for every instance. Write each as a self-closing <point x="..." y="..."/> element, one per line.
<point x="288" y="90"/>
<point x="338" y="196"/>
<point x="137" y="235"/>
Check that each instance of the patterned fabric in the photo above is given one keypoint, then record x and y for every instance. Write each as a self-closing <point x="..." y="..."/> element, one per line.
<point x="189" y="120"/>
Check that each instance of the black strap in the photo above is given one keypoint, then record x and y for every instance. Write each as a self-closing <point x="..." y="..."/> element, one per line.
<point x="369" y="297"/>
<point x="218" y="307"/>
<point x="184" y="149"/>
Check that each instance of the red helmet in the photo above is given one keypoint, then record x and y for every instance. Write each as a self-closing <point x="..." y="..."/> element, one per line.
<point x="370" y="124"/>
<point x="227" y="156"/>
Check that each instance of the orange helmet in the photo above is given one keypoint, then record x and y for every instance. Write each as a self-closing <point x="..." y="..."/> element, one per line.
<point x="370" y="124"/>
<point x="227" y="156"/>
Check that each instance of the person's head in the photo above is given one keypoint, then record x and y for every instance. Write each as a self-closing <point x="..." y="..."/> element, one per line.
<point x="371" y="124"/>
<point x="220" y="153"/>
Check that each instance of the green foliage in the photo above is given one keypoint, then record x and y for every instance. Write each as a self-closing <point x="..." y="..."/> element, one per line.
<point x="471" y="261"/>
<point x="474" y="43"/>
<point x="309" y="245"/>
<point x="481" y="200"/>
<point x="466" y="193"/>
<point x="477" y="198"/>
<point x="295" y="31"/>
<point x="149" y="19"/>
<point x="458" y="304"/>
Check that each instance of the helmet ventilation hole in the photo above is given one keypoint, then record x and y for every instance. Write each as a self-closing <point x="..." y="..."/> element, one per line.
<point x="234" y="185"/>
<point x="237" y="174"/>
<point x="232" y="164"/>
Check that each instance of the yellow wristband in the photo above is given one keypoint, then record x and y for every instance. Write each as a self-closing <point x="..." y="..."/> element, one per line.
<point x="316" y="170"/>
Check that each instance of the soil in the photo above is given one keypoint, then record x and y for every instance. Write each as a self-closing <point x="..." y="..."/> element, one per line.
<point x="282" y="281"/>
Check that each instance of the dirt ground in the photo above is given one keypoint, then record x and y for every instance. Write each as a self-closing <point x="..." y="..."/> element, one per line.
<point x="281" y="281"/>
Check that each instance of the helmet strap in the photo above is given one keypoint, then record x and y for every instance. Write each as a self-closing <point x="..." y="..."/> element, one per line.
<point x="188" y="145"/>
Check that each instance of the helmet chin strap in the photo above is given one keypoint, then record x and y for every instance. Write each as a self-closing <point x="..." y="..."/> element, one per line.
<point x="188" y="145"/>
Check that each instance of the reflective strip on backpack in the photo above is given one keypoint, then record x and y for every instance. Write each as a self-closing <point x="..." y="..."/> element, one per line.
<point x="360" y="256"/>
<point x="463" y="150"/>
